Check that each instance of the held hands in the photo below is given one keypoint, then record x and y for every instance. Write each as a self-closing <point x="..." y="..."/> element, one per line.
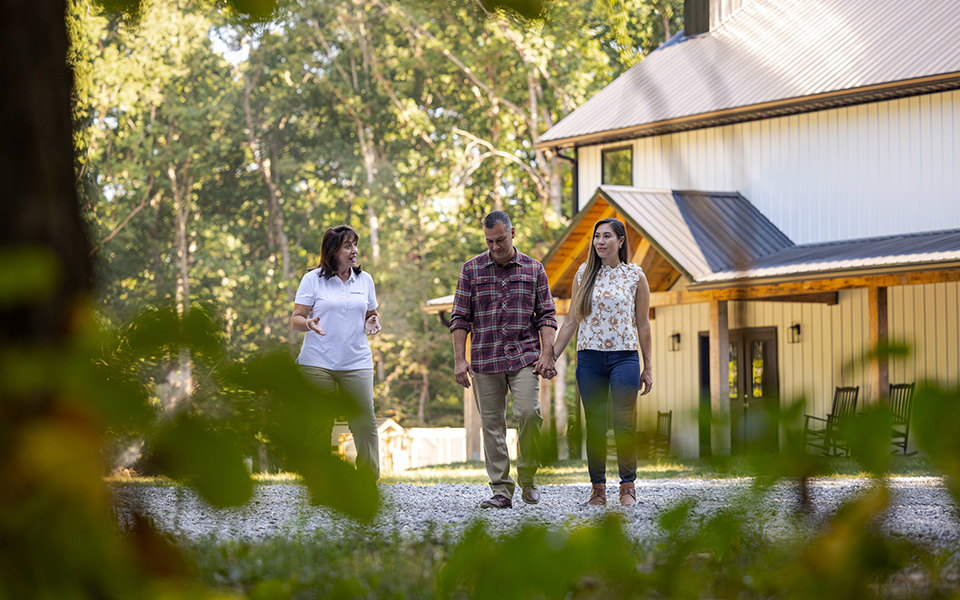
<point x="545" y="366"/>
<point x="314" y="325"/>
<point x="372" y="325"/>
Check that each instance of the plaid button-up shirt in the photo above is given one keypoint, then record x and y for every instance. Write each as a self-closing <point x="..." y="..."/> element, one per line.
<point x="504" y="306"/>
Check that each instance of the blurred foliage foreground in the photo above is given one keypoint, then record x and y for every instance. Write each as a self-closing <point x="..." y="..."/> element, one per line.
<point x="64" y="406"/>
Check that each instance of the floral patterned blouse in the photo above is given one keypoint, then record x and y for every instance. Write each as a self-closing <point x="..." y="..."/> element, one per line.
<point x="612" y="322"/>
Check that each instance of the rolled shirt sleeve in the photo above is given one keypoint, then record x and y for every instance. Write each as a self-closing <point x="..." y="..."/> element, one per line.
<point x="544" y="310"/>
<point x="461" y="315"/>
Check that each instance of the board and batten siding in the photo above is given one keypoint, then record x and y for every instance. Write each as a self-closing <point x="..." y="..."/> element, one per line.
<point x="833" y="343"/>
<point x="875" y="169"/>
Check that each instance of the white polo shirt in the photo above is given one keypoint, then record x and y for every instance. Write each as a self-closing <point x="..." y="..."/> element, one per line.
<point x="341" y="306"/>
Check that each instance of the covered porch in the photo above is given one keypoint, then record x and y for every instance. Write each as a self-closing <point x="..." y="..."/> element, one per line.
<point x="718" y="271"/>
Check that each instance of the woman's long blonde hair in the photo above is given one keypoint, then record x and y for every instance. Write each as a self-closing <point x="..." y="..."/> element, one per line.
<point x="583" y="303"/>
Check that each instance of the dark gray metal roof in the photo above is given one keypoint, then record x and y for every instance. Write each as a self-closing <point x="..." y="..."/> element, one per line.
<point x="893" y="252"/>
<point x="720" y="240"/>
<point x="775" y="57"/>
<point x="700" y="233"/>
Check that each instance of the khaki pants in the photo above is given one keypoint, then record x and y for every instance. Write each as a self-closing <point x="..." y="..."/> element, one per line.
<point x="355" y="384"/>
<point x="490" y="392"/>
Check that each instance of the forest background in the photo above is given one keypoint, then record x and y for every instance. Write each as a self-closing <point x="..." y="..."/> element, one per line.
<point x="214" y="151"/>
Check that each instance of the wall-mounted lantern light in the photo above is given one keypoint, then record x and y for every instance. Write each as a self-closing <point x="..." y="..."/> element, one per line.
<point x="793" y="335"/>
<point x="675" y="341"/>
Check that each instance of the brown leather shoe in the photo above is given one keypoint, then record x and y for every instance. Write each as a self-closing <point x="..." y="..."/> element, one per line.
<point x="530" y="495"/>
<point x="628" y="494"/>
<point x="498" y="501"/>
<point x="599" y="495"/>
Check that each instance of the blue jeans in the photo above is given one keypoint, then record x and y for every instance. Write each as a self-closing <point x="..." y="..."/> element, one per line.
<point x="615" y="375"/>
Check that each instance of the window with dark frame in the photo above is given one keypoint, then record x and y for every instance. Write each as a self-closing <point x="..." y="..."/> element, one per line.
<point x="617" y="165"/>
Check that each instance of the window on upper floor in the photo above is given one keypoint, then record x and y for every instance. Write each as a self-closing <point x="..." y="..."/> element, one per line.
<point x="617" y="165"/>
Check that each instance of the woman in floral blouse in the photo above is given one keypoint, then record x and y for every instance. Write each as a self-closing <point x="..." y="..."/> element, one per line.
<point x="610" y="315"/>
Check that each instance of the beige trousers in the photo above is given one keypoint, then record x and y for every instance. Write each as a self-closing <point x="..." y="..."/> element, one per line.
<point x="490" y="391"/>
<point x="355" y="384"/>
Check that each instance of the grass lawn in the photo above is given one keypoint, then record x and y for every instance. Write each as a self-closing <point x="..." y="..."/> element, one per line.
<point x="575" y="471"/>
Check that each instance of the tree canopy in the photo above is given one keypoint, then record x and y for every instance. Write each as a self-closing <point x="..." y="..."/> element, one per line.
<point x="215" y="151"/>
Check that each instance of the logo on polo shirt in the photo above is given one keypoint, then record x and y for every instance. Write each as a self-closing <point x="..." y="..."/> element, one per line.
<point x="357" y="293"/>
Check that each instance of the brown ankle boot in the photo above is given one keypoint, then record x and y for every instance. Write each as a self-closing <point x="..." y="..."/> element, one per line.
<point x="599" y="495"/>
<point x="628" y="494"/>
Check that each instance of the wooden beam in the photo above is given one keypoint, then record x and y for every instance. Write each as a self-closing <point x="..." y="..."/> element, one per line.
<point x="571" y="239"/>
<point x="719" y="379"/>
<point x="563" y="269"/>
<point x="879" y="382"/>
<point x="649" y="257"/>
<point x="661" y="275"/>
<point x="765" y="291"/>
<point x="829" y="298"/>
<point x="640" y="248"/>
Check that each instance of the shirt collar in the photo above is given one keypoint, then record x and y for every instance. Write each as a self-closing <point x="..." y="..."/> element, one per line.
<point x="352" y="277"/>
<point x="518" y="259"/>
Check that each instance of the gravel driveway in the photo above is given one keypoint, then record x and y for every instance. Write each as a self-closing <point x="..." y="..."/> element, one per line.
<point x="921" y="509"/>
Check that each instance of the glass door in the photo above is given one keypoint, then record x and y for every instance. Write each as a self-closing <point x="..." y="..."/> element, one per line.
<point x="754" y="391"/>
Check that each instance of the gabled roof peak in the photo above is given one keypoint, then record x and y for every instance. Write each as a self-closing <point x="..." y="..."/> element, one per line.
<point x="771" y="58"/>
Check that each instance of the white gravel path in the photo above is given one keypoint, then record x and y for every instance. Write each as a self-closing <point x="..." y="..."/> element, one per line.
<point x="921" y="509"/>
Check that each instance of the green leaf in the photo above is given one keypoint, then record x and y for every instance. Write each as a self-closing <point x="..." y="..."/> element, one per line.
<point x="205" y="456"/>
<point x="27" y="274"/>
<point x="868" y="434"/>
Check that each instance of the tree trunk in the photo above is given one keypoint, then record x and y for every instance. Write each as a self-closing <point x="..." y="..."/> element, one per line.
<point x="40" y="211"/>
<point x="369" y="164"/>
<point x="374" y="223"/>
<point x="277" y="239"/>
<point x="424" y="395"/>
<point x="180" y="379"/>
<point x="154" y="231"/>
<point x="276" y="218"/>
<point x="495" y="127"/>
<point x="181" y="202"/>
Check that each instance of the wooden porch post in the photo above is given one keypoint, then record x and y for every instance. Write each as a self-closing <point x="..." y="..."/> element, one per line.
<point x="560" y="408"/>
<point x="471" y="419"/>
<point x="719" y="378"/>
<point x="546" y="408"/>
<point x="879" y="382"/>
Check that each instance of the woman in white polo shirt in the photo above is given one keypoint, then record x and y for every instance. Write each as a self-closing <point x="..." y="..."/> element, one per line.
<point x="336" y="305"/>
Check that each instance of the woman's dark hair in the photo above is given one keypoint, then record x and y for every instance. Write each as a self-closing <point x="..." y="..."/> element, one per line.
<point x="334" y="239"/>
<point x="583" y="303"/>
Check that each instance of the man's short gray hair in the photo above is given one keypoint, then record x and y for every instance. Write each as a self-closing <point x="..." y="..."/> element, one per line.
<point x="498" y="216"/>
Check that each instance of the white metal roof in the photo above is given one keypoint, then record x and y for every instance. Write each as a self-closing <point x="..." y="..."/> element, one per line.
<point x="775" y="57"/>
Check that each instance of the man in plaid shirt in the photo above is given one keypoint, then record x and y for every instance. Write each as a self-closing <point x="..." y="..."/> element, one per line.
<point x="503" y="300"/>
